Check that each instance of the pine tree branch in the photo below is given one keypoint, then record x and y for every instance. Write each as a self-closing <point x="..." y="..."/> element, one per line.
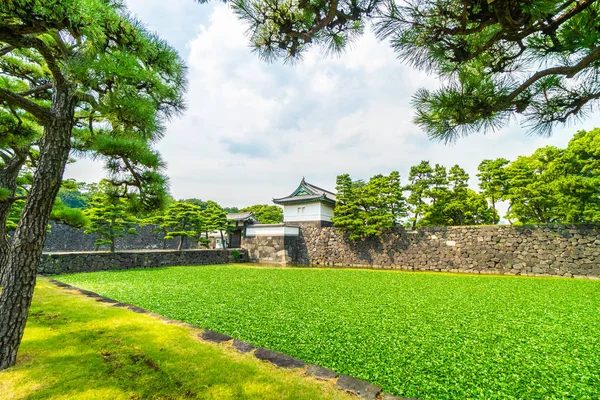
<point x="43" y="114"/>
<point x="568" y="71"/>
<point x="36" y="90"/>
<point x="6" y="50"/>
<point x="19" y="41"/>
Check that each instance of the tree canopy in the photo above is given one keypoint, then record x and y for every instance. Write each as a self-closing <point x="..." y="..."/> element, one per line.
<point x="496" y="59"/>
<point x="109" y="217"/>
<point x="367" y="209"/>
<point x="556" y="185"/>
<point x="182" y="220"/>
<point x="265" y="214"/>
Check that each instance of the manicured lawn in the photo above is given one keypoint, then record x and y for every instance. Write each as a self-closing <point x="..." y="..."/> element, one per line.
<point x="76" y="348"/>
<point x="425" y="335"/>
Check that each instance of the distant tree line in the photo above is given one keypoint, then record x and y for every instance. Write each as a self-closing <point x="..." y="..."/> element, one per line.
<point x="110" y="211"/>
<point x="550" y="186"/>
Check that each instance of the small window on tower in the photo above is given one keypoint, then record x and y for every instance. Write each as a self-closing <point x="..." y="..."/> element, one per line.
<point x="299" y="210"/>
<point x="302" y="210"/>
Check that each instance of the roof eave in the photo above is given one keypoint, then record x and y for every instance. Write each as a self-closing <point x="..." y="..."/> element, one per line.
<point x="299" y="200"/>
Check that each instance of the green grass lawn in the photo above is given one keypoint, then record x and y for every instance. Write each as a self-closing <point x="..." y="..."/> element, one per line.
<point x="425" y="335"/>
<point x="76" y="348"/>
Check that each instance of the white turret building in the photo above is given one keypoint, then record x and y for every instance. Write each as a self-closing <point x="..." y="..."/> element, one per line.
<point x="308" y="203"/>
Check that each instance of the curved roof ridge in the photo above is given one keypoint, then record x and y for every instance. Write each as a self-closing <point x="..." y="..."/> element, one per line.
<point x="316" y="194"/>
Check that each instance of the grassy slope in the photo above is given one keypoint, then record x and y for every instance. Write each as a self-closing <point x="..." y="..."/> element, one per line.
<point x="420" y="335"/>
<point x="75" y="348"/>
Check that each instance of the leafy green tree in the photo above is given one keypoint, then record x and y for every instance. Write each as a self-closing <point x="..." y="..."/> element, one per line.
<point x="536" y="58"/>
<point x="458" y="181"/>
<point x="61" y="213"/>
<point x="231" y="210"/>
<point x="109" y="218"/>
<point x="265" y="214"/>
<point x="74" y="194"/>
<point x="444" y="199"/>
<point x="492" y="181"/>
<point x="420" y="180"/>
<point x="347" y="211"/>
<point x="197" y="202"/>
<point x="437" y="198"/>
<point x="557" y="185"/>
<point x="66" y="215"/>
<point x="157" y="224"/>
<point x="463" y="205"/>
<point x="215" y="219"/>
<point x="368" y="209"/>
<point x="578" y="180"/>
<point x="182" y="220"/>
<point x="77" y="75"/>
<point x="438" y="191"/>
<point x="531" y="187"/>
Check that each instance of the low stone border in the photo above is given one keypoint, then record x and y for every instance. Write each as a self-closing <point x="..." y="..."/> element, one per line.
<point x="360" y="388"/>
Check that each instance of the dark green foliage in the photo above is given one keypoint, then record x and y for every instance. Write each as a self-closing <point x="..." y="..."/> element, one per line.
<point x="420" y="179"/>
<point x="265" y="214"/>
<point x="492" y="180"/>
<point x="123" y="95"/>
<point x="536" y="58"/>
<point x="61" y="212"/>
<point x="196" y="202"/>
<point x="418" y="335"/>
<point x="109" y="217"/>
<point x="74" y="194"/>
<point x="579" y="181"/>
<point x="449" y="201"/>
<point x="182" y="220"/>
<point x="215" y="219"/>
<point x="556" y="185"/>
<point x="368" y="209"/>
<point x="64" y="214"/>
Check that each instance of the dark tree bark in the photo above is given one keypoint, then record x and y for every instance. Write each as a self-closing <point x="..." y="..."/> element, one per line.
<point x="112" y="235"/>
<point x="8" y="180"/>
<point x="20" y="274"/>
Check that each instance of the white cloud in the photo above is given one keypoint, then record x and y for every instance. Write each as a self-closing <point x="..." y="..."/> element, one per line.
<point x="253" y="130"/>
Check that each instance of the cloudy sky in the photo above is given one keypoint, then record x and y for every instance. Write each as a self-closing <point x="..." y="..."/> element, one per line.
<point x="252" y="130"/>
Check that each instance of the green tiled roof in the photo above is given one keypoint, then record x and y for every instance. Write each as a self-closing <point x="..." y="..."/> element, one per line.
<point x="307" y="193"/>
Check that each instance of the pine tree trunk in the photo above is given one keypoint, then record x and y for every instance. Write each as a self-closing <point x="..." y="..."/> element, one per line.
<point x="26" y="248"/>
<point x="180" y="243"/>
<point x="8" y="180"/>
<point x="112" y="235"/>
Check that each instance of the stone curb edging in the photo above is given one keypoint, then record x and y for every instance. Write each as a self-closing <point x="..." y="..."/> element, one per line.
<point x="360" y="388"/>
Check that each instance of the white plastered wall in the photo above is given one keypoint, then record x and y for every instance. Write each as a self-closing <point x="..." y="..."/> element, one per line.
<point x="314" y="211"/>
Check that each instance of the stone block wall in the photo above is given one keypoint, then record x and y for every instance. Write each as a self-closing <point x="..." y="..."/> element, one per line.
<point x="557" y="250"/>
<point x="62" y="263"/>
<point x="272" y="249"/>
<point x="66" y="238"/>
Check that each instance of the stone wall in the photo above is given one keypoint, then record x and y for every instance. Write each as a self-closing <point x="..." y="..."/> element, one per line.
<point x="59" y="263"/>
<point x="558" y="250"/>
<point x="272" y="249"/>
<point x="66" y="238"/>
